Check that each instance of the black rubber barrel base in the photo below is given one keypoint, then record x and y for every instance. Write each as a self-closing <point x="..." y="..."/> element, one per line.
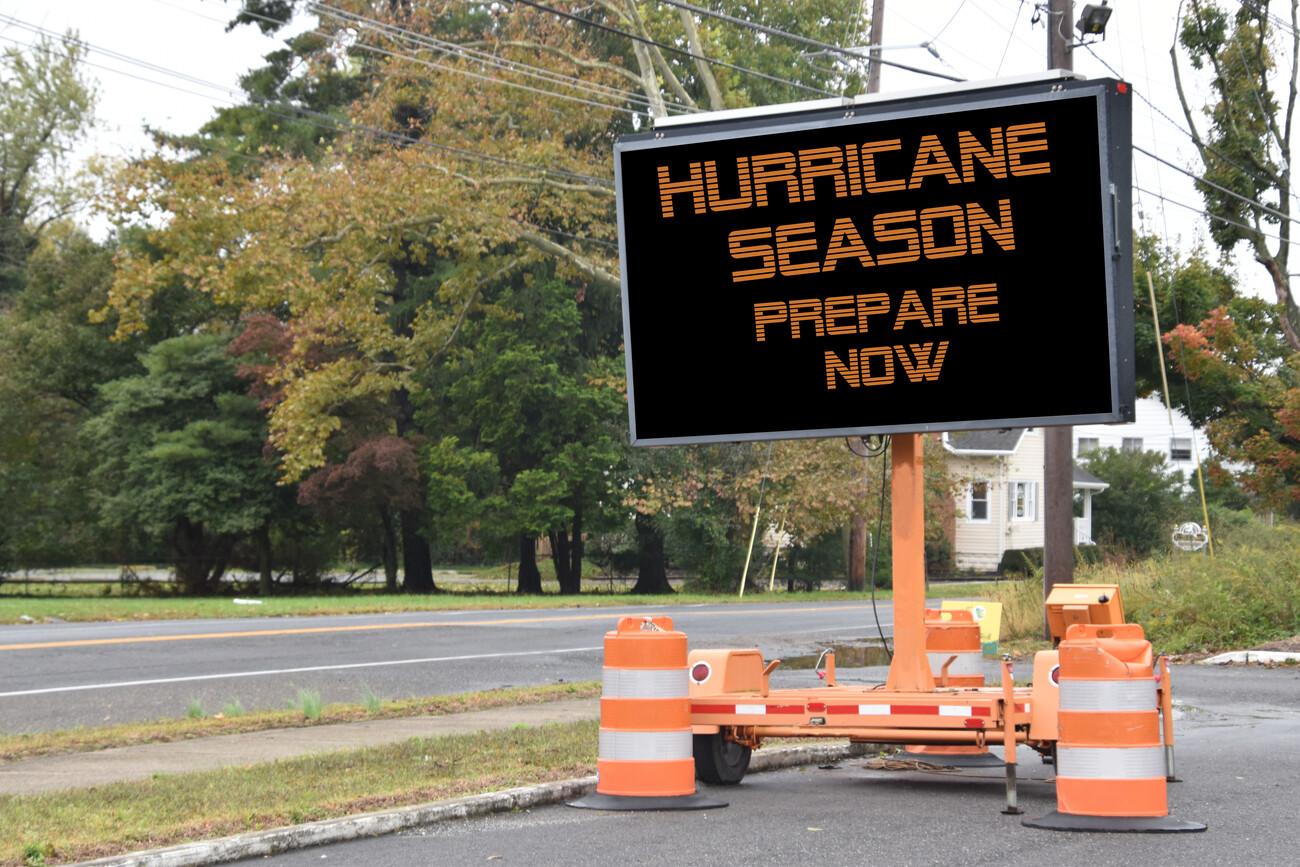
<point x="597" y="801"/>
<point x="1055" y="821"/>
<point x="987" y="760"/>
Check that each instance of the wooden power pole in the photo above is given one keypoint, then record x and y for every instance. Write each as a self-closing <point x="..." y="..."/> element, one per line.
<point x="1058" y="457"/>
<point x="877" y="38"/>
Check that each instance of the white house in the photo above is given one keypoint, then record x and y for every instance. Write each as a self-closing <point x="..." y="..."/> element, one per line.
<point x="1000" y="507"/>
<point x="1149" y="432"/>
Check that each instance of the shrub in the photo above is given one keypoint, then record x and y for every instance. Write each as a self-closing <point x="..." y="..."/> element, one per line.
<point x="1143" y="503"/>
<point x="1028" y="561"/>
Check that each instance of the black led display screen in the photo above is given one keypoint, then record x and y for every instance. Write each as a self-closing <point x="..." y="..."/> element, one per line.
<point x="960" y="261"/>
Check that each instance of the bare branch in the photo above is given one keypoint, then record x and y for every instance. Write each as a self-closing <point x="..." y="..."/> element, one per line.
<point x="594" y="272"/>
<point x="658" y="57"/>
<point x="574" y="59"/>
<point x="706" y="73"/>
<point x="593" y="189"/>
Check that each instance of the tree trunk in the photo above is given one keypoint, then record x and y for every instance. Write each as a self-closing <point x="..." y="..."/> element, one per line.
<point x="390" y="550"/>
<point x="417" y="565"/>
<point x="264" y="560"/>
<point x="651" y="563"/>
<point x="566" y="553"/>
<point x="857" y="570"/>
<point x="530" y="578"/>
<point x="194" y="555"/>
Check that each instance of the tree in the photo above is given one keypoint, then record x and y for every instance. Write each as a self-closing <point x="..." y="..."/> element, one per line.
<point x="179" y="456"/>
<point x="1140" y="508"/>
<point x="45" y="107"/>
<point x="1245" y="145"/>
<point x="380" y="249"/>
<point x="1240" y="361"/>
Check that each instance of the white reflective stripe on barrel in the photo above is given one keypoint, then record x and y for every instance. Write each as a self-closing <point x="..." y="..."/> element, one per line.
<point x="1113" y="695"/>
<point x="1110" y="763"/>
<point x="646" y="746"/>
<point x="966" y="664"/>
<point x="645" y="683"/>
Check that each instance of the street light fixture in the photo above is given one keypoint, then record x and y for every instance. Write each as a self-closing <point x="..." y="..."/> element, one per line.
<point x="1093" y="20"/>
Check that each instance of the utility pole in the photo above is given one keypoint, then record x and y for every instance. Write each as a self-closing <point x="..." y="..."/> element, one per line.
<point x="1058" y="446"/>
<point x="857" y="553"/>
<point x="877" y="39"/>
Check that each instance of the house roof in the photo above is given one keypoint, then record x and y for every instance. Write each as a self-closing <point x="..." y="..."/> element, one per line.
<point x="1003" y="441"/>
<point x="1085" y="479"/>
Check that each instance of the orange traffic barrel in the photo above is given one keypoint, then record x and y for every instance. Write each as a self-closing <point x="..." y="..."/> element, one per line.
<point x="1110" y="761"/>
<point x="646" y="759"/>
<point x="952" y="639"/>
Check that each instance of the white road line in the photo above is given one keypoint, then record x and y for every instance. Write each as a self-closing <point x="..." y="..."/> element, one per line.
<point x="267" y="672"/>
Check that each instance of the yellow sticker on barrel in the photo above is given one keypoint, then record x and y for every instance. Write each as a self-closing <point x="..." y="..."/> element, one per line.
<point x="987" y="614"/>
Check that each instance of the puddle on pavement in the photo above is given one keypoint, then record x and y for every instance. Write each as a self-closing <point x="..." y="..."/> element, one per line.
<point x="846" y="656"/>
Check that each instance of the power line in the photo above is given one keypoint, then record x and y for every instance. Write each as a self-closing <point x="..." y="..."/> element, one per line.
<point x="451" y="47"/>
<point x="1211" y="216"/>
<point x="794" y="37"/>
<point x="332" y="122"/>
<point x="549" y="76"/>
<point x="1199" y="143"/>
<point x="674" y="49"/>
<point x="1011" y="32"/>
<point x="1254" y="203"/>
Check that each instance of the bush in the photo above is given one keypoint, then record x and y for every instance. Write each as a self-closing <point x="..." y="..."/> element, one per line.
<point x="1143" y="503"/>
<point x="1029" y="561"/>
<point x="1248" y="594"/>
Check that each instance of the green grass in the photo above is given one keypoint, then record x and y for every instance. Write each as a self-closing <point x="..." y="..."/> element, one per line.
<point x="1247" y="594"/>
<point x="106" y="820"/>
<point x="194" y="709"/>
<point x="164" y="731"/>
<point x="91" y="608"/>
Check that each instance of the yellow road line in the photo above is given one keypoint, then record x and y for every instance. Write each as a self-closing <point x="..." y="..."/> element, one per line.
<point x="374" y="627"/>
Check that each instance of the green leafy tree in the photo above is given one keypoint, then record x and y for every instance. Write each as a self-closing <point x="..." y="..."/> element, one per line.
<point x="46" y="105"/>
<point x="1243" y="136"/>
<point x="1141" y="507"/>
<point x="179" y="452"/>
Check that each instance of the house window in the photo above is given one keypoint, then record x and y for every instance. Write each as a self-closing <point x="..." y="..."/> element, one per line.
<point x="977" y="502"/>
<point x="1024" y="501"/>
<point x="1087" y="445"/>
<point x="1180" y="449"/>
<point x="1131" y="444"/>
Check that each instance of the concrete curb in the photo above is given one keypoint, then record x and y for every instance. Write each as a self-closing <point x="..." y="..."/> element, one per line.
<point x="260" y="843"/>
<point x="1266" y="657"/>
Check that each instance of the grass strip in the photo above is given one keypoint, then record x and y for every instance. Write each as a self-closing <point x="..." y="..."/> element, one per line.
<point x="84" y="608"/>
<point x="24" y="746"/>
<point x="60" y="827"/>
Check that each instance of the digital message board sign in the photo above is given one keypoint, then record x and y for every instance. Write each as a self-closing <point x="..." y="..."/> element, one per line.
<point x="952" y="262"/>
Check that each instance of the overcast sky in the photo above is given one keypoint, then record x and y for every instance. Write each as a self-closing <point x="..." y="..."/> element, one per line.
<point x="976" y="39"/>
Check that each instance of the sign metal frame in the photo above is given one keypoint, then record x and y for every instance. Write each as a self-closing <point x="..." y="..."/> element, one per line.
<point x="1114" y="144"/>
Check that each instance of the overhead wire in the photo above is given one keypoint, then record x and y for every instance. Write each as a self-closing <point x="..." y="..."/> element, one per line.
<point x="664" y="46"/>
<point x="793" y="37"/>
<point x="575" y="83"/>
<point x="487" y="58"/>
<point x="331" y="122"/>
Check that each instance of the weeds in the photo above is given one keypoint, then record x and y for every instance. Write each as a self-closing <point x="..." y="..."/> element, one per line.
<point x="233" y="708"/>
<point x="308" y="701"/>
<point x="1247" y="594"/>
<point x="371" y="702"/>
<point x="194" y="709"/>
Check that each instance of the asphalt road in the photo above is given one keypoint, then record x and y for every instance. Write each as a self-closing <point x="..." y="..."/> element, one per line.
<point x="1238" y="754"/>
<point x="69" y="674"/>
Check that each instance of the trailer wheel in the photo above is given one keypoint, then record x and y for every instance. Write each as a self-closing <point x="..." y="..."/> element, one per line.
<point x="720" y="761"/>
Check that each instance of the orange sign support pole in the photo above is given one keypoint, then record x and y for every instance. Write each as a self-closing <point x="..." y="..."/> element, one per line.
<point x="910" y="669"/>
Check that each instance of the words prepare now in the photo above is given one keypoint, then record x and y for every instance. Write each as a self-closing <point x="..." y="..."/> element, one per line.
<point x="765" y="256"/>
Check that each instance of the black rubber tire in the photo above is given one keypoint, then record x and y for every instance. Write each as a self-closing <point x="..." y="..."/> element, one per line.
<point x="719" y="761"/>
